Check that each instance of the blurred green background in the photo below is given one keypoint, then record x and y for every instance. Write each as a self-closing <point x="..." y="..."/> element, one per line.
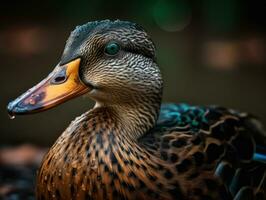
<point x="210" y="52"/>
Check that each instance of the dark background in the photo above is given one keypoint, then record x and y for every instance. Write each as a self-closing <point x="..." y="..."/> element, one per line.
<point x="210" y="52"/>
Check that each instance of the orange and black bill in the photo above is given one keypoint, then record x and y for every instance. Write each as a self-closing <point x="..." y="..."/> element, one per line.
<point x="61" y="85"/>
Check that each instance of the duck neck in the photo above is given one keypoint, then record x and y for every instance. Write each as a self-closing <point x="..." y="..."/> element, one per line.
<point x="109" y="137"/>
<point x="117" y="131"/>
<point x="135" y="120"/>
<point x="135" y="105"/>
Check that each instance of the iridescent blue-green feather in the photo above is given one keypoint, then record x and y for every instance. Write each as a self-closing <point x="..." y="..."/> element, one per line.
<point x="232" y="144"/>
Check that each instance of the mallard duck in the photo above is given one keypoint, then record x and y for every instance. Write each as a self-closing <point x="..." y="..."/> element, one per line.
<point x="129" y="146"/>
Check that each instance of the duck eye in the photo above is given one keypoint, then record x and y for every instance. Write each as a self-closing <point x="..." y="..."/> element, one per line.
<point x="112" y="48"/>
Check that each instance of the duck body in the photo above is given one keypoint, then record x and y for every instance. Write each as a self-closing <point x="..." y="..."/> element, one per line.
<point x="191" y="153"/>
<point x="129" y="146"/>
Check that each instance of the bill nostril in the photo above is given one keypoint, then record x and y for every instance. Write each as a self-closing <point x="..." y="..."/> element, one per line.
<point x="60" y="77"/>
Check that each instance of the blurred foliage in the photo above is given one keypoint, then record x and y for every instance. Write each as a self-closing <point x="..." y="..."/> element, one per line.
<point x="221" y="15"/>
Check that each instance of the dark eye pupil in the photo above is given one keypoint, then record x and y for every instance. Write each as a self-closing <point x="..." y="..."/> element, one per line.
<point x="112" y="48"/>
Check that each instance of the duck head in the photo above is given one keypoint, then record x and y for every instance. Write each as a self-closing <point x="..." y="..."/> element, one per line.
<point x="111" y="61"/>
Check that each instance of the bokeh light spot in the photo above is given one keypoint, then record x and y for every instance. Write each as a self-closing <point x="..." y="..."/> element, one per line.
<point x="171" y="15"/>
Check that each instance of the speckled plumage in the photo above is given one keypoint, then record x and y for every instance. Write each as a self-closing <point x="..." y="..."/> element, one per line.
<point x="127" y="147"/>
<point x="191" y="153"/>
